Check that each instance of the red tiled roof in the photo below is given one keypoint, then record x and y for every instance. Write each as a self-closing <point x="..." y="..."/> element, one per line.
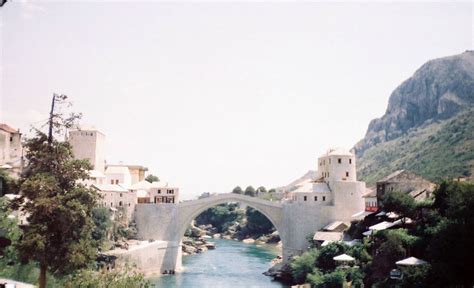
<point x="7" y="128"/>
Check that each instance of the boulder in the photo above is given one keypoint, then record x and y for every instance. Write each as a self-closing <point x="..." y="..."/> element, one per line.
<point x="189" y="249"/>
<point x="211" y="245"/>
<point x="216" y="236"/>
<point x="201" y="249"/>
<point x="248" y="241"/>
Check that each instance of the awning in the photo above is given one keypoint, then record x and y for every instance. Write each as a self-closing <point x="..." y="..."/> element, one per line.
<point x="343" y="257"/>
<point x="384" y="225"/>
<point x="367" y="233"/>
<point x="381" y="213"/>
<point x="411" y="261"/>
<point x="334" y="225"/>
<point x="362" y="214"/>
<point x="327" y="236"/>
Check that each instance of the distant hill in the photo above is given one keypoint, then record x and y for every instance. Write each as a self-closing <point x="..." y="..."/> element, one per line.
<point x="428" y="126"/>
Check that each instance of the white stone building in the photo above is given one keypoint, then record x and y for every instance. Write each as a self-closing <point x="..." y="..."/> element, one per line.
<point x="161" y="192"/>
<point x="11" y="149"/>
<point x="131" y="175"/>
<point x="118" y="199"/>
<point x="118" y="175"/>
<point x="89" y="143"/>
<point x="335" y="185"/>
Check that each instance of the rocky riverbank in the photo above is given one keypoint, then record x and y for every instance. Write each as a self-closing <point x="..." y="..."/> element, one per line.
<point x="196" y="238"/>
<point x="195" y="241"/>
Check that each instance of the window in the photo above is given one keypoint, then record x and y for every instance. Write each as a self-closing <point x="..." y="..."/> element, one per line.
<point x="315" y="198"/>
<point x="328" y="174"/>
<point x="324" y="198"/>
<point x="305" y="198"/>
<point x="128" y="204"/>
<point x="350" y="161"/>
<point x="347" y="174"/>
<point x="11" y="139"/>
<point x="120" y="194"/>
<point x="339" y="160"/>
<point x="112" y="181"/>
<point x="120" y="203"/>
<point x="159" y="191"/>
<point x="329" y="161"/>
<point x="111" y="204"/>
<point x="116" y="181"/>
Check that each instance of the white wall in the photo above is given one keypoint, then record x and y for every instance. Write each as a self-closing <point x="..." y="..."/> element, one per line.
<point x="90" y="145"/>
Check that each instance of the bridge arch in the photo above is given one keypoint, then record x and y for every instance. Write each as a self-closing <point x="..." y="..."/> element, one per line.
<point x="188" y="211"/>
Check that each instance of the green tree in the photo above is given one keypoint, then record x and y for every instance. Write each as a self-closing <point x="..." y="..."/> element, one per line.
<point x="152" y="178"/>
<point x="7" y="183"/>
<point x="250" y="191"/>
<point x="261" y="189"/>
<point x="9" y="235"/>
<point x="390" y="251"/>
<point x="399" y="202"/>
<point x="257" y="223"/>
<point x="102" y="222"/>
<point x="58" y="236"/>
<point x="221" y="216"/>
<point x="450" y="246"/>
<point x="325" y="260"/>
<point x="302" y="265"/>
<point x="238" y="190"/>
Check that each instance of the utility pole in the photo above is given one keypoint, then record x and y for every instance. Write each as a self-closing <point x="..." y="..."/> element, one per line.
<point x="51" y="115"/>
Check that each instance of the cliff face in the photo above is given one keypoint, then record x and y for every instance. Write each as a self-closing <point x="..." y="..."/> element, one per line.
<point x="439" y="90"/>
<point x="429" y="118"/>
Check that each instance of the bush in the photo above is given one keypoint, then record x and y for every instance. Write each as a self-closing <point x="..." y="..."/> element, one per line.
<point x="302" y="265"/>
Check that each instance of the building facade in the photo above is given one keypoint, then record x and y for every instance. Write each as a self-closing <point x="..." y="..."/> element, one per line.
<point x="11" y="149"/>
<point x="118" y="199"/>
<point x="335" y="185"/>
<point x="407" y="182"/>
<point x="89" y="144"/>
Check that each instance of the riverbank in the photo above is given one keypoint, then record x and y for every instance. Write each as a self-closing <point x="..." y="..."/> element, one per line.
<point x="195" y="239"/>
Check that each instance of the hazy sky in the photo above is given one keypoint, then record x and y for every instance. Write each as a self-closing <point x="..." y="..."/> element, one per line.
<point x="213" y="95"/>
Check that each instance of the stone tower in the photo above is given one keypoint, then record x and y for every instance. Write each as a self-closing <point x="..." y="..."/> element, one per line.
<point x="89" y="144"/>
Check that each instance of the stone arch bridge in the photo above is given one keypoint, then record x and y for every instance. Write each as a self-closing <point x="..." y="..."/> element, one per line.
<point x="168" y="222"/>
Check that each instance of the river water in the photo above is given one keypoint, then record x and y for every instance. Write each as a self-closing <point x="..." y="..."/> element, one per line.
<point x="231" y="264"/>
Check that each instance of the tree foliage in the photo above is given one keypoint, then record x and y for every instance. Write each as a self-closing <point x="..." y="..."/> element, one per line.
<point x="450" y="236"/>
<point x="9" y="235"/>
<point x="302" y="265"/>
<point x="59" y="210"/>
<point x="220" y="216"/>
<point x="8" y="185"/>
<point x="250" y="191"/>
<point x="120" y="277"/>
<point x="257" y="223"/>
<point x="102" y="222"/>
<point x="152" y="178"/>
<point x="237" y="190"/>
<point x="399" y="202"/>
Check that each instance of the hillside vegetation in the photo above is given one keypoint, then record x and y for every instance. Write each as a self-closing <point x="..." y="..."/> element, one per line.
<point x="441" y="149"/>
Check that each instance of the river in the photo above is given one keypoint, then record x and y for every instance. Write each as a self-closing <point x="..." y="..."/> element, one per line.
<point x="231" y="264"/>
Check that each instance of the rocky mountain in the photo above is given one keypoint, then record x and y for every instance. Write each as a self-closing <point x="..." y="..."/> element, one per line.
<point x="429" y="117"/>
